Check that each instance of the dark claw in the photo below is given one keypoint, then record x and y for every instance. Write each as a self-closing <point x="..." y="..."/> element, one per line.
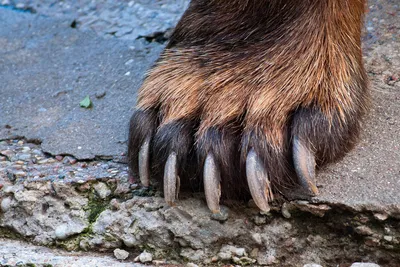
<point x="258" y="181"/>
<point x="212" y="187"/>
<point x="171" y="180"/>
<point x="304" y="164"/>
<point x="144" y="162"/>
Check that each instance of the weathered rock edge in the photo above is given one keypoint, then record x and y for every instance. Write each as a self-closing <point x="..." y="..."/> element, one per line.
<point x="103" y="215"/>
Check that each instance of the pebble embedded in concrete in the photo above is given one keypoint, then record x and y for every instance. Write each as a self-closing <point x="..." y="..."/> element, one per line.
<point x="121" y="254"/>
<point x="191" y="254"/>
<point x="5" y="204"/>
<point x="145" y="257"/>
<point x="102" y="190"/>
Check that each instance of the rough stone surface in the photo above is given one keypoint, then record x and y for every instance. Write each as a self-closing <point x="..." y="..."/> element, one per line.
<point x="38" y="210"/>
<point x="44" y="211"/>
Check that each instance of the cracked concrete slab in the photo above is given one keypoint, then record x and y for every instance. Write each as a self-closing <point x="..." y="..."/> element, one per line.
<point x="47" y="68"/>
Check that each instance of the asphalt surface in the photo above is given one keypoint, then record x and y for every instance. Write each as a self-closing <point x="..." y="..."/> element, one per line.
<point x="47" y="68"/>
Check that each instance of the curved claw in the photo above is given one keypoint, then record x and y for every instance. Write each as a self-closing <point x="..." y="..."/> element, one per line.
<point x="212" y="187"/>
<point x="258" y="181"/>
<point x="171" y="179"/>
<point x="144" y="162"/>
<point x="304" y="164"/>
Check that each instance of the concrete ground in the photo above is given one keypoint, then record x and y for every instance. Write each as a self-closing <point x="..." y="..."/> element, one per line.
<point x="53" y="55"/>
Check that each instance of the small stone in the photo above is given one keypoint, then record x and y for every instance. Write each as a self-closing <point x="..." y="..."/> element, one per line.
<point x="84" y="188"/>
<point x="3" y="158"/>
<point x="17" y="167"/>
<point x="100" y="94"/>
<point x="364" y="264"/>
<point x="115" y="205"/>
<point x="59" y="158"/>
<point x="37" y="152"/>
<point x="224" y="255"/>
<point x="5" y="204"/>
<point x="20" y="173"/>
<point x="271" y="259"/>
<point x="102" y="190"/>
<point x="312" y="265"/>
<point x="121" y="254"/>
<point x="285" y="211"/>
<point x="254" y="253"/>
<point x="267" y="258"/>
<point x="236" y="260"/>
<point x="191" y="254"/>
<point x="388" y="238"/>
<point x="372" y="241"/>
<point x="51" y="160"/>
<point x="20" y="142"/>
<point x="222" y="216"/>
<point x="68" y="229"/>
<point x="20" y="6"/>
<point x="43" y="161"/>
<point x="24" y="157"/>
<point x="240" y="252"/>
<point x="191" y="264"/>
<point x="145" y="257"/>
<point x="129" y="62"/>
<point x="260" y="220"/>
<point x="61" y="231"/>
<point x="19" y="162"/>
<point x="6" y="153"/>
<point x="364" y="230"/>
<point x="26" y="149"/>
<point x="381" y="216"/>
<point x="72" y="161"/>
<point x="257" y="238"/>
<point x="122" y="188"/>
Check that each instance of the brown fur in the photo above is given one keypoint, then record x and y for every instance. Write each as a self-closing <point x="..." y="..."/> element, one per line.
<point x="254" y="73"/>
